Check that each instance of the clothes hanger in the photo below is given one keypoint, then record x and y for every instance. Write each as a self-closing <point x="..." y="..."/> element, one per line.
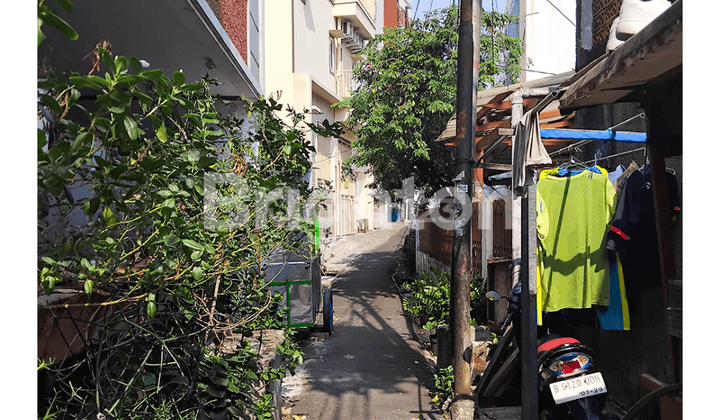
<point x="573" y="164"/>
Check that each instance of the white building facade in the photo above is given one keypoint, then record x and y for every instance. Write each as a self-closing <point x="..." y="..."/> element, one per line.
<point x="310" y="50"/>
<point x="547" y="30"/>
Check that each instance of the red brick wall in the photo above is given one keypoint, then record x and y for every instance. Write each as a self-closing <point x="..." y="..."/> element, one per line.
<point x="234" y="20"/>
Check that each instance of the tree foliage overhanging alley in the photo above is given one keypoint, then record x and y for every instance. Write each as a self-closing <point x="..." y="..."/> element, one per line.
<point x="170" y="287"/>
<point x="406" y="94"/>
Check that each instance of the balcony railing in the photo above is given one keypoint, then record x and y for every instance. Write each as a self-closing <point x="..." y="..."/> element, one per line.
<point x="345" y="83"/>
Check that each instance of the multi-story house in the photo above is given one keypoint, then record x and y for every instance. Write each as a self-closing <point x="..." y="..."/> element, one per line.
<point x="311" y="48"/>
<point x="393" y="13"/>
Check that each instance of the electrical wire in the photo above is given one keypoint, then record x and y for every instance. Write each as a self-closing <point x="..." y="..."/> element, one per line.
<point x="563" y="14"/>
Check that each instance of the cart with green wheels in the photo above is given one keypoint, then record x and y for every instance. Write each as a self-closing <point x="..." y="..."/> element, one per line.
<point x="299" y="280"/>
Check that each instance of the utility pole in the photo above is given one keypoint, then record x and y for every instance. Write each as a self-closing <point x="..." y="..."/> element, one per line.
<point x="467" y="70"/>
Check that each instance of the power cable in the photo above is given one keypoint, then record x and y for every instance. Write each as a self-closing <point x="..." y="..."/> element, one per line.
<point x="559" y="11"/>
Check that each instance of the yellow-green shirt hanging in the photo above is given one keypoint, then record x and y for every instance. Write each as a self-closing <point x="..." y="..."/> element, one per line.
<point x="573" y="216"/>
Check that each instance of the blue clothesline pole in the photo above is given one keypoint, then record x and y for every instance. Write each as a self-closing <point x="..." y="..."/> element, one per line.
<point x="565" y="134"/>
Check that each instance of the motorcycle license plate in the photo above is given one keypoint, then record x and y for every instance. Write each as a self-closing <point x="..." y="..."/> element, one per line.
<point x="578" y="387"/>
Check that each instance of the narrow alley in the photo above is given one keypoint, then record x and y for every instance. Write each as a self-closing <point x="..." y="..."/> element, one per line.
<point x="371" y="367"/>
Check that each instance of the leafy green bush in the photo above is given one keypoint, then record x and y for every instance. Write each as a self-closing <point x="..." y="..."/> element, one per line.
<point x="444" y="386"/>
<point x="141" y="150"/>
<point x="430" y="297"/>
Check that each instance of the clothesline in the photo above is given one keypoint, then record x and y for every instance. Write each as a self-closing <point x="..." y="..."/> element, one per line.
<point x="616" y="155"/>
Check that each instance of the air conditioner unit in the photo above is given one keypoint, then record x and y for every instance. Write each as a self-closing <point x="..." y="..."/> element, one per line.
<point x="348" y="30"/>
<point x="355" y="47"/>
<point x="358" y="38"/>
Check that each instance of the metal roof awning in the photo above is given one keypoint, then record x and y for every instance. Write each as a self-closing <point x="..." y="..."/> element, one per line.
<point x="491" y="100"/>
<point x="650" y="57"/>
<point x="494" y="126"/>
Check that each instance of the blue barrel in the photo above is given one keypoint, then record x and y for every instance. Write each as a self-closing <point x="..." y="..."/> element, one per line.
<point x="395" y="215"/>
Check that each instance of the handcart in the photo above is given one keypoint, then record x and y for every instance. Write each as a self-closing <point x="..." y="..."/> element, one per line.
<point x="299" y="280"/>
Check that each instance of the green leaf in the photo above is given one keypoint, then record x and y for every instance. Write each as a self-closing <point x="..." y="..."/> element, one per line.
<point x="102" y="163"/>
<point x="90" y="207"/>
<point x="219" y="381"/>
<point x="40" y="34"/>
<point x="88" y="287"/>
<point x="171" y="240"/>
<point x="179" y="78"/>
<point x="132" y="128"/>
<point x="51" y="103"/>
<point x="48" y="16"/>
<point x="109" y="217"/>
<point x="42" y="140"/>
<point x="98" y="80"/>
<point x="84" y="82"/>
<point x="162" y="133"/>
<point x="49" y="261"/>
<point x="196" y="255"/>
<point x="107" y="59"/>
<point x="197" y="272"/>
<point x="65" y="4"/>
<point x="153" y="74"/>
<point x="192" y="244"/>
<point x="151" y="309"/>
<point x="121" y="65"/>
<point x="170" y="202"/>
<point x="83" y="139"/>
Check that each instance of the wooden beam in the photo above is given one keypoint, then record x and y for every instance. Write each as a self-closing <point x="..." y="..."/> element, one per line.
<point x="492" y="125"/>
<point x="549" y="114"/>
<point x="485" y="141"/>
<point x="494" y="166"/>
<point x="559" y="124"/>
<point x="505" y="104"/>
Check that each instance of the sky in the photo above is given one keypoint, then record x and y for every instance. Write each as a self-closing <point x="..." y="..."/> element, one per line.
<point x="422" y="6"/>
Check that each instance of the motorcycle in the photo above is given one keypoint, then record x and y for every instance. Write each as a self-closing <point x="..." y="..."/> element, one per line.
<point x="569" y="385"/>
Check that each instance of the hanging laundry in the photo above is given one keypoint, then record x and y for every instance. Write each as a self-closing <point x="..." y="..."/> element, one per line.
<point x="620" y="182"/>
<point x="616" y="316"/>
<point x="573" y="215"/>
<point x="633" y="234"/>
<point x="614" y="175"/>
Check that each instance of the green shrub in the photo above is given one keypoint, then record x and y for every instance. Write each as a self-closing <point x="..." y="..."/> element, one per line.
<point x="176" y="286"/>
<point x="430" y="296"/>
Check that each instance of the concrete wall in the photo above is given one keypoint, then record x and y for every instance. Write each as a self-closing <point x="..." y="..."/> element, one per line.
<point x="424" y="262"/>
<point x="313" y="21"/>
<point x="548" y="35"/>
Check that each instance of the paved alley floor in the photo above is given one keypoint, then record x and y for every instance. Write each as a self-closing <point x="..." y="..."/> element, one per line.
<point x="371" y="368"/>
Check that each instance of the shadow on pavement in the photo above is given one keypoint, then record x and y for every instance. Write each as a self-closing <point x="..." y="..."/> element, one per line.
<point x="371" y="367"/>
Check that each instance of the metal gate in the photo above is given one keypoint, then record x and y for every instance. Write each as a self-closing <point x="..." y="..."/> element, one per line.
<point x="347" y="215"/>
